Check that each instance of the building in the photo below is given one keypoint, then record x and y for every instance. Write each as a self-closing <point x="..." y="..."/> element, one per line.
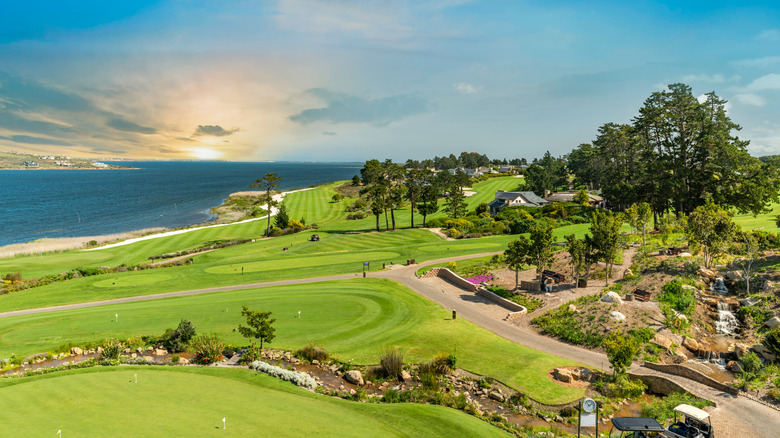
<point x="515" y="199"/>
<point x="593" y="200"/>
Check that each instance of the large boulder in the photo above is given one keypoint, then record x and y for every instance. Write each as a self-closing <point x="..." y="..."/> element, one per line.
<point x="183" y="361"/>
<point x="627" y="273"/>
<point x="572" y="308"/>
<point x="773" y="322"/>
<point x="750" y="301"/>
<point x="563" y="375"/>
<point x="690" y="344"/>
<point x="354" y="377"/>
<point x="160" y="352"/>
<point x="740" y="350"/>
<point x="496" y="396"/>
<point x="734" y="366"/>
<point x="617" y="316"/>
<point x="662" y="341"/>
<point x="708" y="274"/>
<point x="406" y="376"/>
<point x="733" y="276"/>
<point x="612" y="297"/>
<point x="76" y="351"/>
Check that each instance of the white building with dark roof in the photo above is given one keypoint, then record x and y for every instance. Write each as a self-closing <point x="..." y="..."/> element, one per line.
<point x="515" y="199"/>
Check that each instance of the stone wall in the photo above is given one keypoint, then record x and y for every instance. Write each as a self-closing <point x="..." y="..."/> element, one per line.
<point x="658" y="384"/>
<point x="451" y="277"/>
<point x="503" y="302"/>
<point x="692" y="374"/>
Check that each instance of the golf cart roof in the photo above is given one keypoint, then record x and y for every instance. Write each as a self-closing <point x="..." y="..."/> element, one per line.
<point x="692" y="412"/>
<point x="632" y="424"/>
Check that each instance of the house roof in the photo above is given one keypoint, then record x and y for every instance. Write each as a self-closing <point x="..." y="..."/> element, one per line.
<point x="528" y="197"/>
<point x="569" y="197"/>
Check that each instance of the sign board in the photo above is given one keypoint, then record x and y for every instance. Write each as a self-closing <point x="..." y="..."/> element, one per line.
<point x="588" y="420"/>
<point x="365" y="263"/>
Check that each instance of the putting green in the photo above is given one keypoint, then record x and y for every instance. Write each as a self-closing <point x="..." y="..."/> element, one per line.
<point x="193" y="401"/>
<point x="293" y="262"/>
<point x="137" y="280"/>
<point x="353" y="319"/>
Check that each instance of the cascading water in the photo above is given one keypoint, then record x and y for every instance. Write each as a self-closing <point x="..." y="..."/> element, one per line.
<point x="719" y="287"/>
<point x="727" y="322"/>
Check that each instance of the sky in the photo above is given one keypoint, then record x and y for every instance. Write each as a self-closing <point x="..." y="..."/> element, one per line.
<point x="342" y="80"/>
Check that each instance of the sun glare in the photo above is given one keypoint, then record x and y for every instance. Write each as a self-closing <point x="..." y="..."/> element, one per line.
<point x="205" y="154"/>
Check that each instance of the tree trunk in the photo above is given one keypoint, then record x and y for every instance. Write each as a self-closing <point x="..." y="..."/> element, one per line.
<point x="392" y="216"/>
<point x="377" y="222"/>
<point x="268" y="227"/>
<point x="387" y="225"/>
<point x="412" y="215"/>
<point x="517" y="276"/>
<point x="425" y="216"/>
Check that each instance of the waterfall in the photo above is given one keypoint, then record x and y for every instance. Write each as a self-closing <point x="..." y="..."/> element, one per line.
<point x="727" y="322"/>
<point x="719" y="287"/>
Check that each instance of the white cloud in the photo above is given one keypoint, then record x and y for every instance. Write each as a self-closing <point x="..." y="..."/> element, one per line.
<point x="750" y="99"/>
<point x="769" y="35"/>
<point x="465" y="88"/>
<point x="764" y="62"/>
<point x="715" y="79"/>
<point x="766" y="82"/>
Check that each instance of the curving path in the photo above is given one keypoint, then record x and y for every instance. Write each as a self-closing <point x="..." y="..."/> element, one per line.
<point x="733" y="417"/>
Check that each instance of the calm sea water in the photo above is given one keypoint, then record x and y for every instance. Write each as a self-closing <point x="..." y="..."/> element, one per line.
<point x="70" y="203"/>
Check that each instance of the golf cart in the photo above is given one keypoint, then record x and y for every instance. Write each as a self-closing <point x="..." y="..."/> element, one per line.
<point x="632" y="427"/>
<point x="694" y="423"/>
<point x="315" y="237"/>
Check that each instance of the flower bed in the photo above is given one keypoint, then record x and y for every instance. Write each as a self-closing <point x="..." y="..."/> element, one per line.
<point x="479" y="279"/>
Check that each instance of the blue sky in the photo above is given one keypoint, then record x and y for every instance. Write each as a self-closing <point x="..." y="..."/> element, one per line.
<point x="342" y="80"/>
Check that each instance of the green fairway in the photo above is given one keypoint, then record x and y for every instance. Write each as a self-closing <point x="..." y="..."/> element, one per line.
<point x="192" y="402"/>
<point x="355" y="319"/>
<point x="765" y="221"/>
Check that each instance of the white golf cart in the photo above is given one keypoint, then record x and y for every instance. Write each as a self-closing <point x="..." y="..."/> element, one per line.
<point x="694" y="423"/>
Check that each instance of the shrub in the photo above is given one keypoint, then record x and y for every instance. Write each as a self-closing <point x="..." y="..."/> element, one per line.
<point x="452" y="233"/>
<point x="275" y="231"/>
<point x="301" y="379"/>
<point x="178" y="340"/>
<point x="662" y="408"/>
<point x="175" y="358"/>
<point x="357" y="216"/>
<point x="295" y="224"/>
<point x="751" y="363"/>
<point x="251" y="354"/>
<point x="111" y="349"/>
<point x="772" y="340"/>
<point x="311" y="352"/>
<point x="391" y="396"/>
<point x="208" y="348"/>
<point x="337" y="197"/>
<point x="392" y="363"/>
<point x="444" y="363"/>
<point x="621" y="387"/>
<point x="16" y="276"/>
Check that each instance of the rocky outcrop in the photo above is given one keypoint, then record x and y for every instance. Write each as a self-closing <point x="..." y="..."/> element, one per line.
<point x="76" y="351"/>
<point x="662" y="341"/>
<point x="612" y="297"/>
<point x="773" y="322"/>
<point x="690" y="344"/>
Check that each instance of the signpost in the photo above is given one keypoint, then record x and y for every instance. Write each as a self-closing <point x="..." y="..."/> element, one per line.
<point x="365" y="266"/>
<point x="589" y="415"/>
<point x="223" y="423"/>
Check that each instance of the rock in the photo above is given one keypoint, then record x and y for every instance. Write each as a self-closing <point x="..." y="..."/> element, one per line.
<point x="496" y="396"/>
<point x="612" y="297"/>
<point x="139" y="350"/>
<point x="406" y="376"/>
<point x="733" y="276"/>
<point x="352" y="392"/>
<point x="708" y="274"/>
<point x="354" y="377"/>
<point x="76" y="351"/>
<point x="773" y="322"/>
<point x="734" y="366"/>
<point x="126" y="351"/>
<point x="684" y="254"/>
<point x="740" y="350"/>
<point x="661" y="341"/>
<point x="315" y="362"/>
<point x="572" y="308"/>
<point x="149" y="359"/>
<point x="150" y="349"/>
<point x="617" y="316"/>
<point x="133" y="355"/>
<point x="690" y="344"/>
<point x="99" y="350"/>
<point x="563" y="375"/>
<point x="183" y="361"/>
<point x="628" y="273"/>
<point x="750" y="301"/>
<point x="160" y="352"/>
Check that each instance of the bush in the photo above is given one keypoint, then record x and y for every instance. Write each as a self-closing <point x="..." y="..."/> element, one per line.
<point x="337" y="197"/>
<point x="662" y="408"/>
<point x="445" y="363"/>
<point x="16" y="276"/>
<point x="301" y="379"/>
<point x="452" y="233"/>
<point x="295" y="224"/>
<point x="251" y="354"/>
<point x="621" y="387"/>
<point x="391" y="396"/>
<point x="111" y="349"/>
<point x="392" y="363"/>
<point x="178" y="340"/>
<point x="772" y="341"/>
<point x="208" y="348"/>
<point x="357" y="216"/>
<point x="751" y="363"/>
<point x="311" y="352"/>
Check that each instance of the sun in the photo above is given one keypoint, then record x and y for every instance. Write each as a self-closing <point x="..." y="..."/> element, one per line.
<point x="205" y="153"/>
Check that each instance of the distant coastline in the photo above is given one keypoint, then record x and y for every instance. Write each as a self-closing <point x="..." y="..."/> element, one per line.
<point x="19" y="161"/>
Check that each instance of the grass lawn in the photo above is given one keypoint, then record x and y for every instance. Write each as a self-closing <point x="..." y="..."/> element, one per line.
<point x="354" y="319"/>
<point x="264" y="260"/>
<point x="190" y="401"/>
<point x="764" y="221"/>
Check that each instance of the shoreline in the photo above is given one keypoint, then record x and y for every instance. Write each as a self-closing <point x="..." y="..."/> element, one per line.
<point x="58" y="244"/>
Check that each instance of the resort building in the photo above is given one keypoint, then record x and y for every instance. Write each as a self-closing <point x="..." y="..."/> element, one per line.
<point x="513" y="199"/>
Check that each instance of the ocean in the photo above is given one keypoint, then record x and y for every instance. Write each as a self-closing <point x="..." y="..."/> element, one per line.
<point x="71" y="203"/>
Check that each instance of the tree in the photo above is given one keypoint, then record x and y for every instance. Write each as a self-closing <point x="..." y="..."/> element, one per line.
<point x="268" y="185"/>
<point x="621" y="350"/>
<point x="750" y="249"/>
<point x="179" y="339"/>
<point x="639" y="216"/>
<point x="535" y="251"/>
<point x="396" y="191"/>
<point x="376" y="189"/>
<point x="356" y="180"/>
<point x="514" y="256"/>
<point x="710" y="228"/>
<point x="455" y="204"/>
<point x="258" y="326"/>
<point x="582" y="198"/>
<point x="581" y="256"/>
<point x="605" y="238"/>
<point x="282" y="218"/>
<point x="429" y="201"/>
<point x="416" y="180"/>
<point x="546" y="174"/>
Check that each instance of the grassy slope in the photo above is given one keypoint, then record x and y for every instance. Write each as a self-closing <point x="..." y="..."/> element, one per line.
<point x="764" y="221"/>
<point x="356" y="319"/>
<point x="193" y="402"/>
